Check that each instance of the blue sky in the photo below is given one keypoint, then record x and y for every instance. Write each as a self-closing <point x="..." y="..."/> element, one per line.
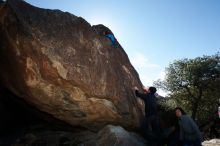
<point x="153" y="33"/>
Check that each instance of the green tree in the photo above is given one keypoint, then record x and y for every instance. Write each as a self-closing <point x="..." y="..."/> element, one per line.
<point x="192" y="82"/>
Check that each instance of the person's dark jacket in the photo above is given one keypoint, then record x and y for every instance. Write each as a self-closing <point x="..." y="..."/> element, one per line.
<point x="188" y="129"/>
<point x="150" y="103"/>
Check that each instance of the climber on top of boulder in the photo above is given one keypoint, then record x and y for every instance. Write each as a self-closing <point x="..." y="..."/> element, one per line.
<point x="111" y="37"/>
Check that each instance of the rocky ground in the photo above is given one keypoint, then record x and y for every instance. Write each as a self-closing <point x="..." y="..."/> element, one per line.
<point x="213" y="142"/>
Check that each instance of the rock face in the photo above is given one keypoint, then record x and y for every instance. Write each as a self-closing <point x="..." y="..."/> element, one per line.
<point x="61" y="65"/>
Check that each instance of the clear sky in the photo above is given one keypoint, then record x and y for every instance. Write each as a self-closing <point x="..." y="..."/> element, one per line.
<point x="153" y="33"/>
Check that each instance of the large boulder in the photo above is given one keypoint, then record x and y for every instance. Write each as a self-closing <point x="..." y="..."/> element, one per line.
<point x="61" y="65"/>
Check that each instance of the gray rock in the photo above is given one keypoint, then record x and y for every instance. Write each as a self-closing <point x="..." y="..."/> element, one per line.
<point x="213" y="142"/>
<point x="115" y="136"/>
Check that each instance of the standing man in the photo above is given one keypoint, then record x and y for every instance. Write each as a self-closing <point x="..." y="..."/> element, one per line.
<point x="149" y="100"/>
<point x="151" y="122"/>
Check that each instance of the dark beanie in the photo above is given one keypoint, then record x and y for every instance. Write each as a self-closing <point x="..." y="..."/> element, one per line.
<point x="153" y="90"/>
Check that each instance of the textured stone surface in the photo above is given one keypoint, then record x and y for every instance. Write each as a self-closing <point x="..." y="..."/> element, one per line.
<point x="117" y="136"/>
<point x="60" y="64"/>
